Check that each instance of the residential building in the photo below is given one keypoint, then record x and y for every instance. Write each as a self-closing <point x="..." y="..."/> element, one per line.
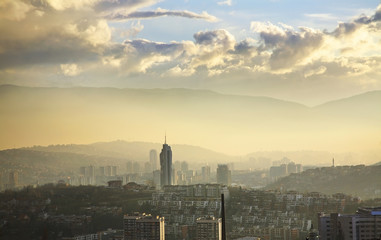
<point x="364" y="225"/>
<point x="143" y="227"/>
<point x="209" y="228"/>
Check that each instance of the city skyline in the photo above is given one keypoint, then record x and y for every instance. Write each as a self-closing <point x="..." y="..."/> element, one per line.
<point x="271" y="107"/>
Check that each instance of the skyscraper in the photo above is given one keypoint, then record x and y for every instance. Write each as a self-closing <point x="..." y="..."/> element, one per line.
<point x="223" y="174"/>
<point x="153" y="159"/>
<point x="166" y="164"/>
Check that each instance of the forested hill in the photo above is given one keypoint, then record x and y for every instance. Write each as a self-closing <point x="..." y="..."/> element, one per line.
<point x="360" y="180"/>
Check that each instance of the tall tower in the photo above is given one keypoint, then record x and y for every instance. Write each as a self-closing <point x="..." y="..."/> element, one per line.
<point x="166" y="164"/>
<point x="153" y="159"/>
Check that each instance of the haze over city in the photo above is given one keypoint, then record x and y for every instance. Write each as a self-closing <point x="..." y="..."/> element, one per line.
<point x="190" y="119"/>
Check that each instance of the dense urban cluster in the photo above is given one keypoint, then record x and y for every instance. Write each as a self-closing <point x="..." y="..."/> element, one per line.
<point x="174" y="202"/>
<point x="281" y="215"/>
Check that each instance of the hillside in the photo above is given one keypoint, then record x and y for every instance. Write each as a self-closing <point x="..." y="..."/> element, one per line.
<point x="360" y="180"/>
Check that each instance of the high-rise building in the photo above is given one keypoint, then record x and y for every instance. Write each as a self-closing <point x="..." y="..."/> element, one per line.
<point x="205" y="172"/>
<point x="166" y="165"/>
<point x="209" y="228"/>
<point x="143" y="227"/>
<point x="129" y="226"/>
<point x="102" y="171"/>
<point x="150" y="228"/>
<point x="129" y="167"/>
<point x="87" y="173"/>
<point x="136" y="167"/>
<point x="291" y="168"/>
<point x="147" y="167"/>
<point x="114" y="170"/>
<point x="156" y="178"/>
<point x="299" y="168"/>
<point x="184" y="166"/>
<point x="364" y="225"/>
<point x="223" y="174"/>
<point x="153" y="159"/>
<point x="13" y="181"/>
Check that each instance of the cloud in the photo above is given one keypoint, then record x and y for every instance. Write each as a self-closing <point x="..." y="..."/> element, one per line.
<point x="137" y="56"/>
<point x="226" y="2"/>
<point x="36" y="32"/>
<point x="287" y="46"/>
<point x="318" y="71"/>
<point x="292" y="50"/>
<point x="14" y="10"/>
<point x="321" y="16"/>
<point x="77" y="33"/>
<point x="70" y="70"/>
<point x="159" y="13"/>
<point x="97" y="6"/>
<point x="133" y="31"/>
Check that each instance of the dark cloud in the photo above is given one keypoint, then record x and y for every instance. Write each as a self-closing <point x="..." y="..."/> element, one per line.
<point x="243" y="48"/>
<point x="216" y="37"/>
<point x="344" y="29"/>
<point x="159" y="13"/>
<point x="351" y="27"/>
<point x="54" y="48"/>
<point x="146" y="47"/>
<point x="108" y="5"/>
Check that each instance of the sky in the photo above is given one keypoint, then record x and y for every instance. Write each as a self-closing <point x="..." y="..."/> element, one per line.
<point x="305" y="51"/>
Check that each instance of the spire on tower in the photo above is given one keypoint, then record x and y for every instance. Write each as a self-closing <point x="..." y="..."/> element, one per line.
<point x="165" y="138"/>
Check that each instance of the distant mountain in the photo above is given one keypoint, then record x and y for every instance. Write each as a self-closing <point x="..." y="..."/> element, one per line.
<point x="363" y="107"/>
<point x="225" y="123"/>
<point x="137" y="151"/>
<point x="360" y="180"/>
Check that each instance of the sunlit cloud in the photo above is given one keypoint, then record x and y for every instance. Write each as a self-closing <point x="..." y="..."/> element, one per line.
<point x="70" y="70"/>
<point x="14" y="10"/>
<point x="84" y="33"/>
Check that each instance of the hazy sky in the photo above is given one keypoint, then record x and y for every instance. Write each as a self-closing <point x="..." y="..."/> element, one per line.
<point x="306" y="51"/>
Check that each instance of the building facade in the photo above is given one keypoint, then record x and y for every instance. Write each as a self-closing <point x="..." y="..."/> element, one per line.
<point x="209" y="228"/>
<point x="364" y="225"/>
<point x="143" y="227"/>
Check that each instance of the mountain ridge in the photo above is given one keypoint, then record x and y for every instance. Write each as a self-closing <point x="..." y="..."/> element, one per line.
<point x="232" y="124"/>
<point x="198" y="90"/>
